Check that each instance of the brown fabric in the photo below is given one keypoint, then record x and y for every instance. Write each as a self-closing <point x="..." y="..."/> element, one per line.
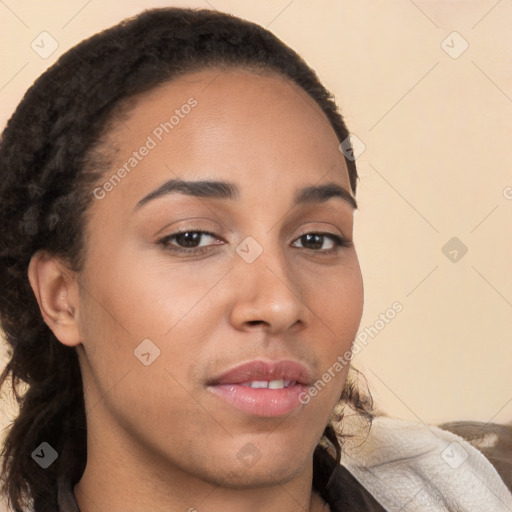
<point x="492" y="439"/>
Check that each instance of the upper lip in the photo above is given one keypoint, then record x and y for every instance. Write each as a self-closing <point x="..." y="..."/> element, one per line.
<point x="265" y="370"/>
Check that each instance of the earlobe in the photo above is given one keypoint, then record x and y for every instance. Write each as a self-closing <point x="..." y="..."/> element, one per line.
<point x="55" y="290"/>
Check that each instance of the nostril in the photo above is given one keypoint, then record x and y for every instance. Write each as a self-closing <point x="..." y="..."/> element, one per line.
<point x="256" y="322"/>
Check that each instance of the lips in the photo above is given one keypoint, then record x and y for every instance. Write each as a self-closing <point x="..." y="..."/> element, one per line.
<point x="263" y="388"/>
<point x="265" y="371"/>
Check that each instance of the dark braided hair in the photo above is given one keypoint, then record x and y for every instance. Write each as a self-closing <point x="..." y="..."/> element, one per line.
<point x="49" y="166"/>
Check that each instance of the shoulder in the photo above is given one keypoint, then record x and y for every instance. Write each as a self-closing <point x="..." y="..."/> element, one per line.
<point x="424" y="466"/>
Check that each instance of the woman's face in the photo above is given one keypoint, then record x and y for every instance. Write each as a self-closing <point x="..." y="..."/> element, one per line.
<point x="163" y="319"/>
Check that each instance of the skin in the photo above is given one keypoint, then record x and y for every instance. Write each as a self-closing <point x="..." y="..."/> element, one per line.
<point x="158" y="439"/>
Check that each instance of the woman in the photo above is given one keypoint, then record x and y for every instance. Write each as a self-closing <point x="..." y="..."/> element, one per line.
<point x="180" y="279"/>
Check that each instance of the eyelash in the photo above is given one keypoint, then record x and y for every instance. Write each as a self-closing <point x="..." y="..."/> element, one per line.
<point x="339" y="242"/>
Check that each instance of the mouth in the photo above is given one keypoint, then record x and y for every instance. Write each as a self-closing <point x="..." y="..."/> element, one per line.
<point x="263" y="388"/>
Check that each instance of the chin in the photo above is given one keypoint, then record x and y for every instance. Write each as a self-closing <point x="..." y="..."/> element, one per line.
<point x="267" y="476"/>
<point x="254" y="470"/>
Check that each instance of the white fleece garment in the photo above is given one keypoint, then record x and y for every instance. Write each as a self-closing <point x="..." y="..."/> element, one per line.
<point x="412" y="467"/>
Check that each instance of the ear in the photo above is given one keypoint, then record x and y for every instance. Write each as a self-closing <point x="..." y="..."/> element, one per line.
<point x="56" y="292"/>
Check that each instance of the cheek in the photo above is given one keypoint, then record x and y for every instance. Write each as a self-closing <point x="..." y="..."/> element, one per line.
<point x="130" y="308"/>
<point x="338" y="310"/>
<point x="336" y="297"/>
<point x="133" y="314"/>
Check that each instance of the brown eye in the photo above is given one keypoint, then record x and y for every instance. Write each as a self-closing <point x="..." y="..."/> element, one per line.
<point x="315" y="242"/>
<point x="188" y="241"/>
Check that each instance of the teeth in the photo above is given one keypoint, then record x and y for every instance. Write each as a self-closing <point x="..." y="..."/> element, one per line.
<point x="265" y="384"/>
<point x="276" y="384"/>
<point x="257" y="384"/>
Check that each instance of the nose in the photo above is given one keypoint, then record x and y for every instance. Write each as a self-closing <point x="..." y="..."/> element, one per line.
<point x="267" y="294"/>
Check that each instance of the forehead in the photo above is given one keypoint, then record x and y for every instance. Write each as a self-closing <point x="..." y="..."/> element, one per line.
<point x="258" y="130"/>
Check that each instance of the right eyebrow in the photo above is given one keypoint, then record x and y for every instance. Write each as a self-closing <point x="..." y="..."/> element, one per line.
<point x="202" y="188"/>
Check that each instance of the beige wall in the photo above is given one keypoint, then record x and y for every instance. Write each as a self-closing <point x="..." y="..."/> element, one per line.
<point x="437" y="128"/>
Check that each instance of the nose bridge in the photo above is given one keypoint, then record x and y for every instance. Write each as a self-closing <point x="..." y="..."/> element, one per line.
<point x="267" y="289"/>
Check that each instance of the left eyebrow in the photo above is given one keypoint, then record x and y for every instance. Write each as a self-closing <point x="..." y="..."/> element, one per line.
<point x="322" y="193"/>
<point x="220" y="189"/>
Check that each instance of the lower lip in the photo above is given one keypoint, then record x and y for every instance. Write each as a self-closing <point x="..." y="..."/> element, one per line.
<point x="261" y="401"/>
